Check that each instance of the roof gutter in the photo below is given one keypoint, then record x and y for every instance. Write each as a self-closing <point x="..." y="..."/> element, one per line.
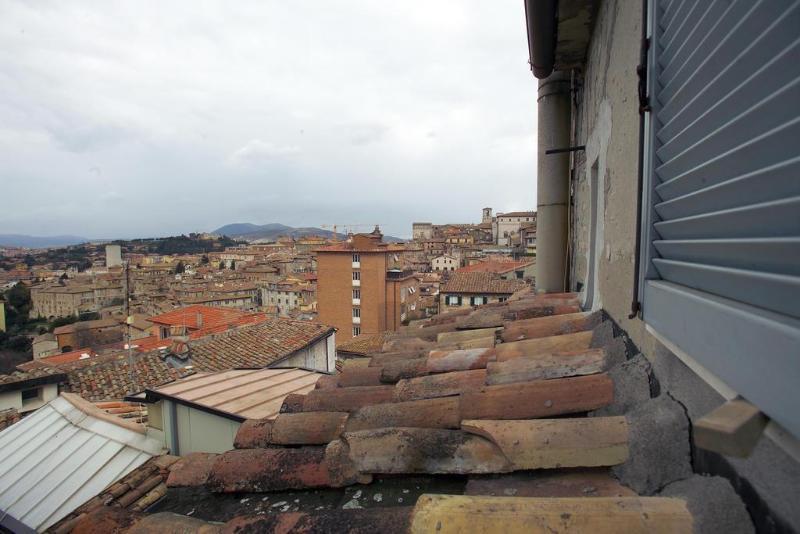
<point x="541" y="17"/>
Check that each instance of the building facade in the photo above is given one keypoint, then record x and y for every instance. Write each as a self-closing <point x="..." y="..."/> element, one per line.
<point x="359" y="284"/>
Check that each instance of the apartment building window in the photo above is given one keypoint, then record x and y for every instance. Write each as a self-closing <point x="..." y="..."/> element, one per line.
<point x="356" y="294"/>
<point x="477" y="301"/>
<point x="503" y="299"/>
<point x="356" y="258"/>
<point x="453" y="300"/>
<point x="356" y="331"/>
<point x="30" y="394"/>
<point x="356" y="275"/>
<point x="357" y="312"/>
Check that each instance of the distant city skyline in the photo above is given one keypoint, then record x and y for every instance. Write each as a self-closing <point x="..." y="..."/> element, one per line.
<point x="137" y="119"/>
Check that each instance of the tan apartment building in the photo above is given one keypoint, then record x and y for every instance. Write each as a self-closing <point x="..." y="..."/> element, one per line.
<point x="361" y="287"/>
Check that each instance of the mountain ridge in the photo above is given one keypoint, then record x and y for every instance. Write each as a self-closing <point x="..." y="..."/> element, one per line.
<point x="272" y="231"/>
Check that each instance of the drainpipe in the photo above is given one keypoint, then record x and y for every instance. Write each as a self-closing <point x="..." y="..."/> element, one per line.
<point x="552" y="183"/>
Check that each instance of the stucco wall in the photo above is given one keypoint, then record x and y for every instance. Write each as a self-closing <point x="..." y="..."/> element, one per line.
<point x="607" y="122"/>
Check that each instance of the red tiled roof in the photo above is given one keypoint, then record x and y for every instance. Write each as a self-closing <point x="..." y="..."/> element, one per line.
<point x="518" y="214"/>
<point x="65" y="357"/>
<point x="256" y="345"/>
<point x="146" y="344"/>
<point x="494" y="266"/>
<point x="188" y="316"/>
<point x="483" y="283"/>
<point x="346" y="247"/>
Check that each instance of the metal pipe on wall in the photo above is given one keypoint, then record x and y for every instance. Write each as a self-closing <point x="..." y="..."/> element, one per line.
<point x="554" y="111"/>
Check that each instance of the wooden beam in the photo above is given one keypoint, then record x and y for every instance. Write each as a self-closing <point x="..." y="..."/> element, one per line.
<point x="732" y="429"/>
<point x="445" y="514"/>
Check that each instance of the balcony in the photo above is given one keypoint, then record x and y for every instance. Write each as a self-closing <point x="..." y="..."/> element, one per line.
<point x="356" y="302"/>
<point x="356" y="265"/>
<point x="356" y="320"/>
<point x="356" y="283"/>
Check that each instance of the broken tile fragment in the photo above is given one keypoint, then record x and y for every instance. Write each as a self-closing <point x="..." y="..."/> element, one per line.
<point x="427" y="413"/>
<point x="538" y="398"/>
<point x="554" y="325"/>
<point x="446" y="361"/>
<point x="557" y="443"/>
<point x="346" y="399"/>
<point x="360" y="376"/>
<point x="307" y="428"/>
<point x="259" y="470"/>
<point x="253" y="433"/>
<point x="439" y="385"/>
<point x="191" y="470"/>
<point x="546" y="366"/>
<point x="423" y="450"/>
<point x="543" y="345"/>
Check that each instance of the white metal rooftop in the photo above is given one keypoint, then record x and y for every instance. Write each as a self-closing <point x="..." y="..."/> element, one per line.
<point x="62" y="455"/>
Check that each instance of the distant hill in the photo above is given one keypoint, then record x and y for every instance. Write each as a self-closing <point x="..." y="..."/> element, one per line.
<point x="272" y="231"/>
<point x="30" y="241"/>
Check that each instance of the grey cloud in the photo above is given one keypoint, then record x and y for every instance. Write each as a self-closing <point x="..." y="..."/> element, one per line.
<point x="261" y="109"/>
<point x="365" y="134"/>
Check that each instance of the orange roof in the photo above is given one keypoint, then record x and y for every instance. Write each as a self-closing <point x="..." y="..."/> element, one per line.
<point x="147" y="344"/>
<point x="494" y="266"/>
<point x="72" y="356"/>
<point x="348" y="247"/>
<point x="198" y="316"/>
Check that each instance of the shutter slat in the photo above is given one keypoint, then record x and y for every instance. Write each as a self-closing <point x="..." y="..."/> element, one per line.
<point x="688" y="151"/>
<point x="686" y="26"/>
<point x="679" y="20"/>
<point x="767" y="219"/>
<point x="679" y="56"/>
<point x="722" y="220"/>
<point x="775" y="292"/>
<point x="763" y="151"/>
<point x="699" y="71"/>
<point x="670" y="10"/>
<point x="708" y="111"/>
<point x="762" y="185"/>
<point x="764" y="254"/>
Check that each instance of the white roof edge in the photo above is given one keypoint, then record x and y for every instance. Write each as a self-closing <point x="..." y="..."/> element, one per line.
<point x="114" y="431"/>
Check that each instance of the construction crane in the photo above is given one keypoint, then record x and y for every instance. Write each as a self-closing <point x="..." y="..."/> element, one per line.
<point x="346" y="227"/>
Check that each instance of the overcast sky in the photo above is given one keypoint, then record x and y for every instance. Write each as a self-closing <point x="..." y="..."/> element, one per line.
<point x="124" y="119"/>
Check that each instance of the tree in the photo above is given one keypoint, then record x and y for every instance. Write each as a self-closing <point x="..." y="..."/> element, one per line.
<point x="180" y="268"/>
<point x="233" y="265"/>
<point x="221" y="265"/>
<point x="18" y="299"/>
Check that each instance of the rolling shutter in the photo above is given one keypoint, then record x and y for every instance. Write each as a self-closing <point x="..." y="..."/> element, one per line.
<point x="722" y="279"/>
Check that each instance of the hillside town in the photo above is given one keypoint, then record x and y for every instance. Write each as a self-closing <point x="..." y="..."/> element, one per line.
<point x="616" y="353"/>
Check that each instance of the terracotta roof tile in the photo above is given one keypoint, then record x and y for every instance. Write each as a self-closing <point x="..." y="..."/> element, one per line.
<point x="494" y="266"/>
<point x="481" y="283"/>
<point x="363" y="344"/>
<point x="198" y="316"/>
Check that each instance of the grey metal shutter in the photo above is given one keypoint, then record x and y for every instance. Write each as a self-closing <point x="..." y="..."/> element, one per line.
<point x="723" y="228"/>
